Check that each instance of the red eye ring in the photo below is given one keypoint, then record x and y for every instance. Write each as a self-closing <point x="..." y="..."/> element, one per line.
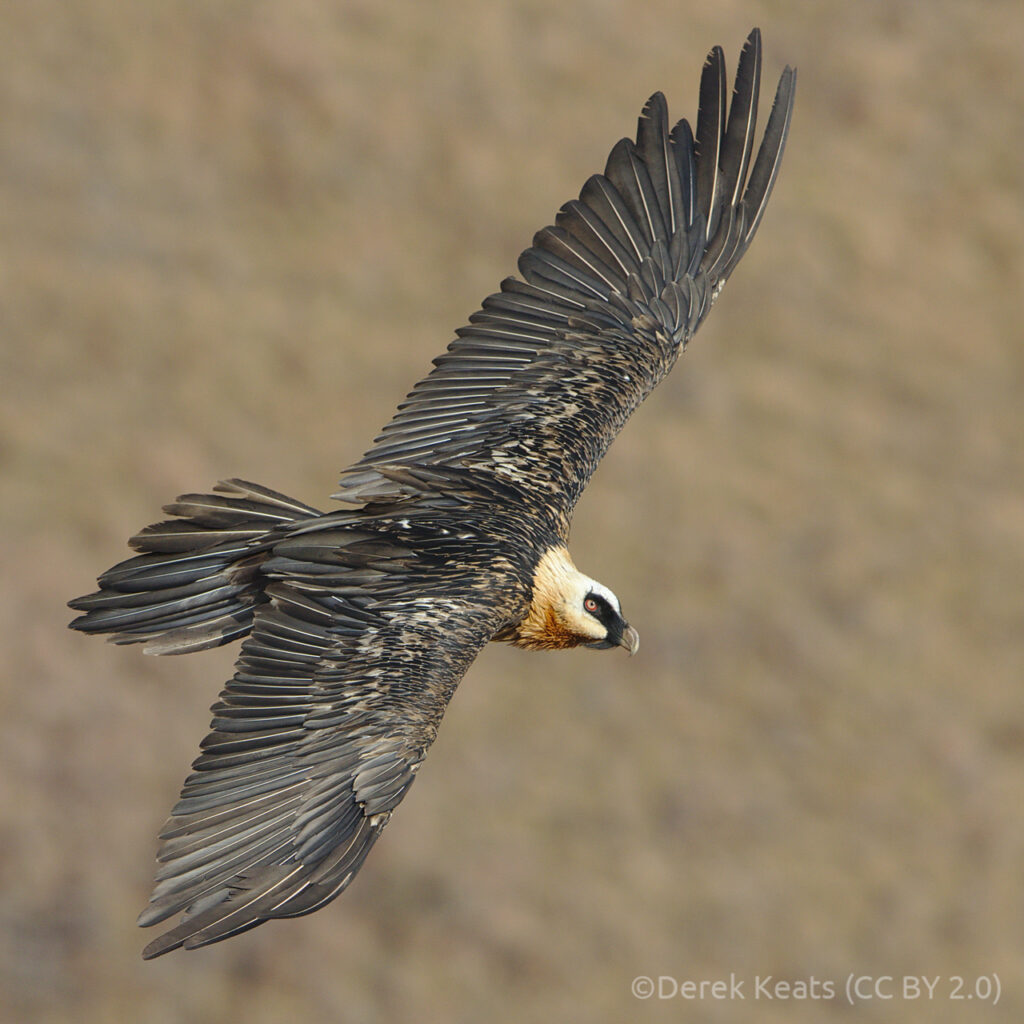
<point x="590" y="604"/>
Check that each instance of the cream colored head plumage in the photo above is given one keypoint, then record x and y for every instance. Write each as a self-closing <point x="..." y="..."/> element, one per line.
<point x="569" y="608"/>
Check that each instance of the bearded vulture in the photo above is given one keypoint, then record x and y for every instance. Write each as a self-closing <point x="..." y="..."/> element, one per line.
<point x="358" y="623"/>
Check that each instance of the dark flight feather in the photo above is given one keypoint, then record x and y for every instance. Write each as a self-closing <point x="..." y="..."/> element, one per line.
<point x="313" y="743"/>
<point x="616" y="286"/>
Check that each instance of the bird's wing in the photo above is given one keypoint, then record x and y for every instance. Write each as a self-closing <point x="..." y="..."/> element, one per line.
<point x="336" y="697"/>
<point x="538" y="385"/>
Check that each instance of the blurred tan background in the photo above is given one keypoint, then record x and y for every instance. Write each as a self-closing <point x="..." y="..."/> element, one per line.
<point x="233" y="234"/>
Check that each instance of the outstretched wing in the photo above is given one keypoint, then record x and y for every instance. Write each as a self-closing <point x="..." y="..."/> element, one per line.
<point x="336" y="697"/>
<point x="538" y="385"/>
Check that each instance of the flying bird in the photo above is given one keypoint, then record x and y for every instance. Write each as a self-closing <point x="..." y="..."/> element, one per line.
<point x="358" y="623"/>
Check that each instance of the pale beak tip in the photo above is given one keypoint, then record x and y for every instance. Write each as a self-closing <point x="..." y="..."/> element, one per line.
<point x="630" y="640"/>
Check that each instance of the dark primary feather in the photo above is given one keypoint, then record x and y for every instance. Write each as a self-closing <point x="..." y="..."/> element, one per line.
<point x="538" y="385"/>
<point x="335" y="699"/>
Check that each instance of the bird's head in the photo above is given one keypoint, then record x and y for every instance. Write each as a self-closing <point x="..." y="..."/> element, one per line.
<point x="591" y="611"/>
<point x="570" y="609"/>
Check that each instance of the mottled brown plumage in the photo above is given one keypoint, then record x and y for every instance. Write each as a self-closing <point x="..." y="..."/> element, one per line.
<point x="358" y="624"/>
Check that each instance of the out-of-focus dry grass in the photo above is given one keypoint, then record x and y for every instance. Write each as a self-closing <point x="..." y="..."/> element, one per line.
<point x="232" y="235"/>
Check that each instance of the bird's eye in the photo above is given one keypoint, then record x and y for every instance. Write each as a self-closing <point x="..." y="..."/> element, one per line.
<point x="590" y="604"/>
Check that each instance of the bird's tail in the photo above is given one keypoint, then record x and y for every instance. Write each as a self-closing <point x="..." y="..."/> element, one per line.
<point x="197" y="580"/>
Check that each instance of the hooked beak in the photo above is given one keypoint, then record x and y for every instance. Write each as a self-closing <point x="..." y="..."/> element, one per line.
<point x="630" y="640"/>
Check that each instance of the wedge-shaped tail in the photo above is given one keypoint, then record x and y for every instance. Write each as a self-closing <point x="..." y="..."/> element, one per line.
<point x="196" y="582"/>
